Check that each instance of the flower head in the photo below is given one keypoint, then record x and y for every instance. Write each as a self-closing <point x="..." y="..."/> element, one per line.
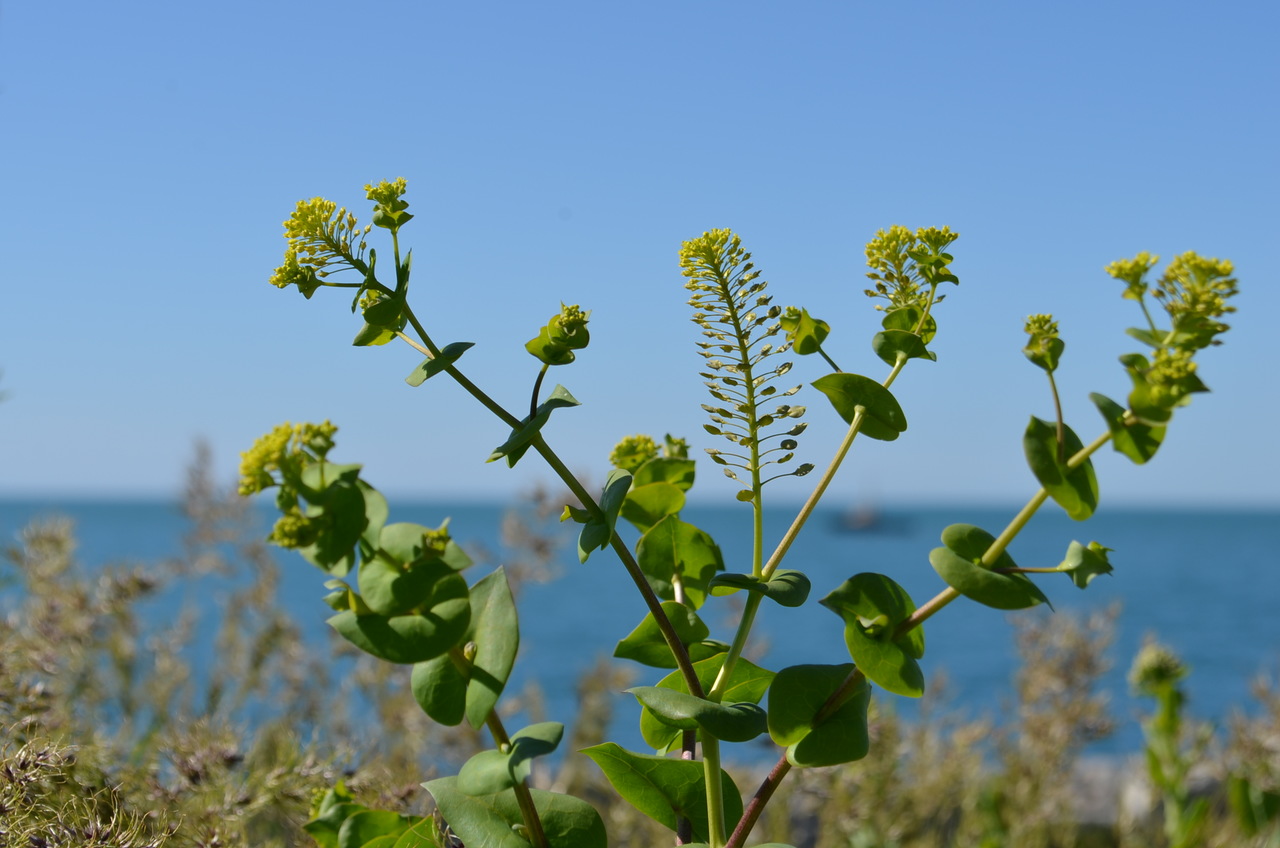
<point x="633" y="452"/>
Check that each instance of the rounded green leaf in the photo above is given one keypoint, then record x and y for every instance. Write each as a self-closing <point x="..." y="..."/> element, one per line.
<point x="787" y="587"/>
<point x="646" y="505"/>
<point x="906" y="318"/>
<point x="889" y="344"/>
<point x="415" y="638"/>
<point x="366" y="825"/>
<point x="1135" y="440"/>
<point x="440" y="689"/>
<point x="420" y="835"/>
<point x="391" y="589"/>
<point x="664" y="789"/>
<point x="1075" y="490"/>
<point x="489" y="820"/>
<point x="805" y="332"/>
<point x="872" y="606"/>
<point x="960" y="565"/>
<point x="487" y="772"/>
<point x="747" y="683"/>
<point x="1082" y="563"/>
<point x="518" y="442"/>
<point x="738" y="722"/>
<point x="674" y="549"/>
<point x="882" y="417"/>
<point x="795" y="697"/>
<point x="666" y="469"/>
<point x="646" y="644"/>
<point x="495" y="630"/>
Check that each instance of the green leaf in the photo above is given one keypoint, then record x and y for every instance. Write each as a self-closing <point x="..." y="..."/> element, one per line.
<point x="872" y="607"/>
<point x="335" y="493"/>
<point x="372" y="336"/>
<point x="391" y="589"/>
<point x="1075" y="490"/>
<point x="1135" y="440"/>
<point x="335" y="808"/>
<point x="747" y="684"/>
<point x="1082" y="564"/>
<point x="433" y="365"/>
<point x="646" y="505"/>
<point x="666" y="469"/>
<point x="516" y="445"/>
<point x="730" y="722"/>
<point x="672" y="551"/>
<point x="368" y="825"/>
<point x="407" y="543"/>
<point x="445" y="692"/>
<point x="598" y="530"/>
<point x="493" y="771"/>
<point x="889" y="344"/>
<point x="960" y="565"/>
<point x="440" y="688"/>
<point x="490" y="820"/>
<point x="906" y="318"/>
<point x="647" y="645"/>
<point x="495" y="630"/>
<point x="788" y="588"/>
<point x="882" y="417"/>
<point x="796" y="695"/>
<point x="385" y="313"/>
<point x="805" y="332"/>
<point x="664" y="789"/>
<point x="408" y="639"/>
<point x="421" y="835"/>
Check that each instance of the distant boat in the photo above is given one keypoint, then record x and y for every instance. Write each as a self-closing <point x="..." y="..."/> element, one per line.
<point x="866" y="518"/>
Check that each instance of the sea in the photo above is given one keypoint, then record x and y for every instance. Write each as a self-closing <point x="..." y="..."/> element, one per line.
<point x="1205" y="582"/>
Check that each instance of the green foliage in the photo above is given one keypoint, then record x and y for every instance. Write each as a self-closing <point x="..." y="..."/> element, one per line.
<point x="412" y="604"/>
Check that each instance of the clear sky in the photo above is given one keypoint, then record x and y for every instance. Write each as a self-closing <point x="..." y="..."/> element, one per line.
<point x="562" y="151"/>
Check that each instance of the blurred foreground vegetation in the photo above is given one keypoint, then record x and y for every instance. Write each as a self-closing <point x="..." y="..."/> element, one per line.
<point x="109" y="736"/>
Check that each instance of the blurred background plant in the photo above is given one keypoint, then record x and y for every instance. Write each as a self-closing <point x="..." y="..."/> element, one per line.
<point x="114" y="734"/>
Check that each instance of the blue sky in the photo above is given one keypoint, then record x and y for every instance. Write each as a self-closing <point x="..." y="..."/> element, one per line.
<point x="562" y="151"/>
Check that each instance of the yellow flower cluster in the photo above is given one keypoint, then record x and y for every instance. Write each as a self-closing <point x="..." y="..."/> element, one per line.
<point x="285" y="444"/>
<point x="633" y="452"/>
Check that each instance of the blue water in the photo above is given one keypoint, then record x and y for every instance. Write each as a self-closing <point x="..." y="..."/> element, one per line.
<point x="1203" y="582"/>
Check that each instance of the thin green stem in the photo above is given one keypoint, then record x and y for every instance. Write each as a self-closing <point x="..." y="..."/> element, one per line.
<point x="715" y="800"/>
<point x="947" y="595"/>
<point x="1057" y="410"/>
<point x="528" y="811"/>
<point x="557" y="465"/>
<point x="421" y="349"/>
<point x="829" y="360"/>
<point x="628" y="561"/>
<point x="537" y="389"/>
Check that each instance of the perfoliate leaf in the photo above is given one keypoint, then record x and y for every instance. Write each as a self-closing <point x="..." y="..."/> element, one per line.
<point x="1082" y="564"/>
<point x="646" y="644"/>
<point x="960" y="565"/>
<point x="872" y="606"/>
<point x="805" y="332"/>
<point x="786" y="587"/>
<point x="734" y="722"/>
<point x="1134" y="439"/>
<point x="796" y="695"/>
<point x="492" y="820"/>
<point x="674" y="551"/>
<point x="408" y="639"/>
<point x="889" y="344"/>
<point x="882" y="419"/>
<point x="664" y="789"/>
<point x="1075" y="490"/>
<point x="747" y="683"/>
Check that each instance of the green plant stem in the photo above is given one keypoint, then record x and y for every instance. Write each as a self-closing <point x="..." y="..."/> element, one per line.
<point x="584" y="497"/>
<point x="829" y="360"/>
<point x="1057" y="410"/>
<point x="715" y="799"/>
<point x="411" y="343"/>
<point x="756" y="805"/>
<point x="537" y="389"/>
<point x="528" y="811"/>
<point x="947" y="595"/>
<point x="751" y="813"/>
<point x="628" y="561"/>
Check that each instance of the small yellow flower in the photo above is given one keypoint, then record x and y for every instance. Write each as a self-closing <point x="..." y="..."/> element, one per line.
<point x="633" y="452"/>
